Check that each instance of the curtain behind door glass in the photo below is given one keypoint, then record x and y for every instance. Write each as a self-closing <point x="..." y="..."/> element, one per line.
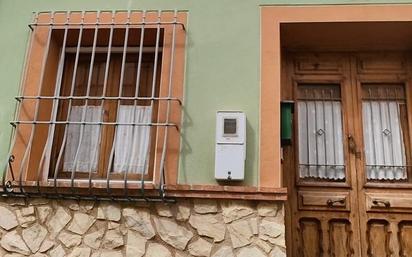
<point x="383" y="140"/>
<point x="320" y="140"/>
<point x="320" y="132"/>
<point x="385" y="131"/>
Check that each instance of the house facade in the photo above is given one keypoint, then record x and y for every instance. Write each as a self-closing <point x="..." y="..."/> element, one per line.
<point x="205" y="128"/>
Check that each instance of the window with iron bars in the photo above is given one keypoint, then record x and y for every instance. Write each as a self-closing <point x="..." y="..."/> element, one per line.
<point x="100" y="104"/>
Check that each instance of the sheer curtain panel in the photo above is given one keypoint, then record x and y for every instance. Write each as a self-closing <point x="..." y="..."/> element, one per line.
<point x="87" y="150"/>
<point x="383" y="139"/>
<point x="132" y="141"/>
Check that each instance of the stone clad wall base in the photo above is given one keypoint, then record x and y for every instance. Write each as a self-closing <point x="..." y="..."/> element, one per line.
<point x="217" y="228"/>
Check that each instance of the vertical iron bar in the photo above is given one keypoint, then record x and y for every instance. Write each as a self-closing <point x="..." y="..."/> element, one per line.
<point x="101" y="104"/>
<point x="324" y="132"/>
<point x="333" y="129"/>
<point x="18" y="104"/>
<point x="84" y="112"/>
<point x="86" y="101"/>
<point x="126" y="38"/>
<point x="316" y="138"/>
<point x="138" y="81"/>
<point x="55" y="106"/>
<point x="126" y="191"/>
<point x="155" y="71"/>
<point x="391" y="129"/>
<point x="72" y="88"/>
<point x="372" y="128"/>
<point x="401" y="136"/>
<point x="383" y="139"/>
<point x="36" y="111"/>
<point x="162" y="160"/>
<point x="307" y="135"/>
<point x="136" y="94"/>
<point x="106" y="75"/>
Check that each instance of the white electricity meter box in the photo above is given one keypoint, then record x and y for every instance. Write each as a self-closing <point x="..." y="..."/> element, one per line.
<point x="230" y="151"/>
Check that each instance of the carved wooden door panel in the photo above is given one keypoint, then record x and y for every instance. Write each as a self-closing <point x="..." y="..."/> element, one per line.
<point x="383" y="124"/>
<point x="348" y="171"/>
<point x="322" y="218"/>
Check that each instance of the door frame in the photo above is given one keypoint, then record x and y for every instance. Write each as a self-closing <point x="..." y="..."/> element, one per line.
<point x="271" y="18"/>
<point x="272" y="71"/>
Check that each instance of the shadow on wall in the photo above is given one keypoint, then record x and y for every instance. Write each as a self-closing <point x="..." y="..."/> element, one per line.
<point x="185" y="148"/>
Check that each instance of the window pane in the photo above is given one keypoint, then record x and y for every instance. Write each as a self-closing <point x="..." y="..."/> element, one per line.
<point x="383" y="132"/>
<point x="132" y="142"/>
<point x="320" y="133"/>
<point x="118" y="144"/>
<point x="82" y="147"/>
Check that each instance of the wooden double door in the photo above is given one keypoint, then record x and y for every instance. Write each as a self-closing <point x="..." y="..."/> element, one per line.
<point x="348" y="169"/>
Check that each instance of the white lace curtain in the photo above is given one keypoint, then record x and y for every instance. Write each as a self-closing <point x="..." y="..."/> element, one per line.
<point x="131" y="149"/>
<point x="132" y="142"/>
<point x="383" y="139"/>
<point x="320" y="140"/>
<point x="88" y="149"/>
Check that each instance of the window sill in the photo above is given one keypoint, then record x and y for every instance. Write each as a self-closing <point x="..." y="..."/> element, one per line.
<point x="116" y="188"/>
<point x="227" y="192"/>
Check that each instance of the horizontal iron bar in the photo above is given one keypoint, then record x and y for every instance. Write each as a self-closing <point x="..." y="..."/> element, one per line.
<point x="389" y="166"/>
<point x="319" y="99"/>
<point x="130" y="49"/>
<point x="403" y="99"/>
<point x="93" y="123"/>
<point x="19" y="98"/>
<point x="90" y="198"/>
<point x="108" y="24"/>
<point x="323" y="165"/>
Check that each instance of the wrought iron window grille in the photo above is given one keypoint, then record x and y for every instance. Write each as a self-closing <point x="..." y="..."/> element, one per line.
<point x="50" y="184"/>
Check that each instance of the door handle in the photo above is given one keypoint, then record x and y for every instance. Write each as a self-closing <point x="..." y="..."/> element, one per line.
<point x="353" y="147"/>
<point x="332" y="203"/>
<point x="379" y="203"/>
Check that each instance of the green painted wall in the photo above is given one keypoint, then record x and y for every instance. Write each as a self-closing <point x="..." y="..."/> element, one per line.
<point x="222" y="68"/>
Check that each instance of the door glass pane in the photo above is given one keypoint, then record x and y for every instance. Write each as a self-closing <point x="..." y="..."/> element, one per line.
<point x="385" y="132"/>
<point x="320" y="133"/>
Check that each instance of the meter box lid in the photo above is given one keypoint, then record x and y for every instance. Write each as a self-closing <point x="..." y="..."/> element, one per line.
<point x="230" y="127"/>
<point x="230" y="161"/>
